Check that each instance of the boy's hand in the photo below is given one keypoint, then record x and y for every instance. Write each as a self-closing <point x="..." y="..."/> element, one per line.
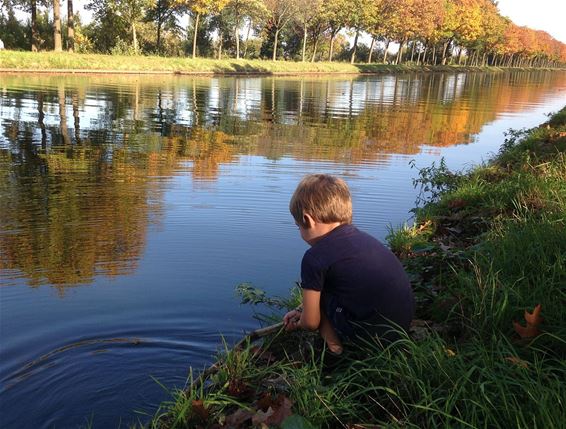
<point x="292" y="320"/>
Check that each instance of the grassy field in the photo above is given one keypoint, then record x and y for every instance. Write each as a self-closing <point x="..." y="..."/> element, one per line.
<point x="486" y="246"/>
<point x="51" y="61"/>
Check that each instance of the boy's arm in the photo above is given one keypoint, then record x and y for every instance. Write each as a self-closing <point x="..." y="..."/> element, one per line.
<point x="310" y="319"/>
<point x="307" y="318"/>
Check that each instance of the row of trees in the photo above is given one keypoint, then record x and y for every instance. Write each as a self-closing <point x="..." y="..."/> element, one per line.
<point x="427" y="31"/>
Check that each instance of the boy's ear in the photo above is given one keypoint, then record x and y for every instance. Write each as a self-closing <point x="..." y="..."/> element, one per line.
<point x="308" y="220"/>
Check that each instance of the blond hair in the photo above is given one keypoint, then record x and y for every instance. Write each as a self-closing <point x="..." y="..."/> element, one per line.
<point x="324" y="197"/>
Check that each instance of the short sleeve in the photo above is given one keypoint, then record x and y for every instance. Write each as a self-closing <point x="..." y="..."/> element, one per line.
<point x="312" y="273"/>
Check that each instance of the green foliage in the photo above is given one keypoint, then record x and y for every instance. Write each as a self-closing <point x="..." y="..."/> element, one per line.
<point x="433" y="181"/>
<point x="257" y="297"/>
<point x="123" y="47"/>
<point x="14" y="33"/>
<point x="409" y="239"/>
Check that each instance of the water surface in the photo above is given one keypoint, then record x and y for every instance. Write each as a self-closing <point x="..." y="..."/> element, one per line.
<point x="130" y="207"/>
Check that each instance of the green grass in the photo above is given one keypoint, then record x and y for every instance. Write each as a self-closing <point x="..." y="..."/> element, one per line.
<point x="51" y="61"/>
<point x="487" y="245"/>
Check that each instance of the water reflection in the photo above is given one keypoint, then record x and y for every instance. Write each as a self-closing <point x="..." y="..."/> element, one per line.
<point x="85" y="161"/>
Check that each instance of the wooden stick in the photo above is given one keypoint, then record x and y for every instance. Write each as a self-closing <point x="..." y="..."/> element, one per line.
<point x="252" y="336"/>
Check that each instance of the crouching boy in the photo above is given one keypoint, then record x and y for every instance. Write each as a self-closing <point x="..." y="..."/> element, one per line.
<point x="352" y="284"/>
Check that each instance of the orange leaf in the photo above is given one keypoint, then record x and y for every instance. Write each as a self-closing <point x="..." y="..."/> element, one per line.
<point x="526" y="331"/>
<point x="533" y="321"/>
<point x="534" y="318"/>
<point x="199" y="409"/>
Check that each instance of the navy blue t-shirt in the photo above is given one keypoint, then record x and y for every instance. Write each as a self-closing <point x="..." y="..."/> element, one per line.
<point x="360" y="274"/>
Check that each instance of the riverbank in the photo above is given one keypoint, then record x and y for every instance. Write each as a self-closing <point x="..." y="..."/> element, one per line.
<point x="51" y="62"/>
<point x="487" y="260"/>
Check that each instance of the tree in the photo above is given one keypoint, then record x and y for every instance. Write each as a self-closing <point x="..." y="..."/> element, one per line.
<point x="198" y="8"/>
<point x="280" y="13"/>
<point x="307" y="11"/>
<point x="107" y="28"/>
<point x="235" y="13"/>
<point x="163" y="14"/>
<point x="57" y="25"/>
<point x="31" y="7"/>
<point x="335" y="13"/>
<point x="358" y="17"/>
<point x="70" y="26"/>
<point x="131" y="11"/>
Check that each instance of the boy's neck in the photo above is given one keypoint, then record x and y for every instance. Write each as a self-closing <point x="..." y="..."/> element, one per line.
<point x="321" y="230"/>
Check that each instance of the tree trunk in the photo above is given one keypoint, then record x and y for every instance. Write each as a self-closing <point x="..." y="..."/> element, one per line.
<point x="197" y="18"/>
<point x="314" y="50"/>
<point x="413" y="50"/>
<point x="419" y="57"/>
<point x="237" y="35"/>
<point x="385" y="51"/>
<point x="433" y="55"/>
<point x="275" y="44"/>
<point x="353" y="56"/>
<point x="158" y="42"/>
<point x="220" y="42"/>
<point x="34" y="34"/>
<point x="371" y="49"/>
<point x="135" y="37"/>
<point x="70" y="27"/>
<point x="444" y="49"/>
<point x="460" y="55"/>
<point x="247" y="39"/>
<point x="400" y="53"/>
<point x="57" y="25"/>
<point x="304" y="41"/>
<point x="332" y="35"/>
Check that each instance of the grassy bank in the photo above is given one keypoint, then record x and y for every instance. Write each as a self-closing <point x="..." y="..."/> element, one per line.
<point x="487" y="245"/>
<point x="66" y="62"/>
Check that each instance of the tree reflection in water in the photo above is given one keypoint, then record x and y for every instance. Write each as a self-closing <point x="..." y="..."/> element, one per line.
<point x="77" y="195"/>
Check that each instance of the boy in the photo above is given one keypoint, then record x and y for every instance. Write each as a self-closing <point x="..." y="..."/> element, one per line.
<point x="352" y="284"/>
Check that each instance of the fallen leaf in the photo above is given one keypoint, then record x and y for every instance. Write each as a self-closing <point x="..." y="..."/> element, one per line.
<point x="239" y="389"/>
<point x="519" y="362"/>
<point x="526" y="331"/>
<point x="282" y="410"/>
<point x="199" y="409"/>
<point x="533" y="320"/>
<point x="276" y="413"/>
<point x="261" y="417"/>
<point x="265" y="401"/>
<point x="449" y="352"/>
<point x="238" y="418"/>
